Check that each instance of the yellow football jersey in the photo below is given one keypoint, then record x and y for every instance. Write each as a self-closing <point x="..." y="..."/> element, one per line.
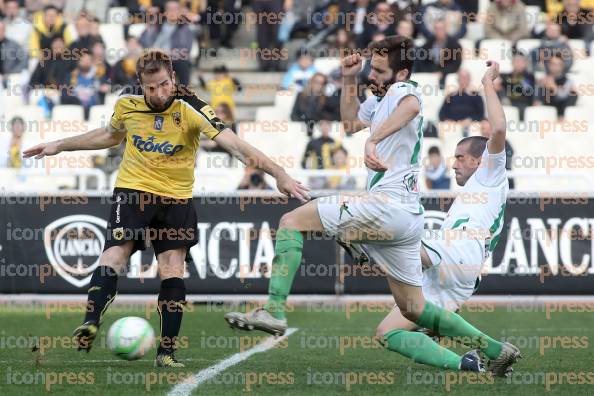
<point x="161" y="147"/>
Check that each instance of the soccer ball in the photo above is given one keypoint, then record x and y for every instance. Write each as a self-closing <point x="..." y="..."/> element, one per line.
<point x="130" y="338"/>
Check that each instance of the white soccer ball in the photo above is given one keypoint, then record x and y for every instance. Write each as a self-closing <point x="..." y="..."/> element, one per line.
<point x="130" y="338"/>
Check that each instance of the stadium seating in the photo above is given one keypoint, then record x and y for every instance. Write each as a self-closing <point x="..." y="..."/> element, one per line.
<point x="577" y="45"/>
<point x="217" y="172"/>
<point x="449" y="131"/>
<point x="527" y="45"/>
<point x="498" y="50"/>
<point x="68" y="113"/>
<point x="27" y="112"/>
<point x="136" y="29"/>
<point x="9" y="100"/>
<point x="511" y="114"/>
<point x="284" y="143"/>
<point x="532" y="16"/>
<point x="269" y="113"/>
<point x="113" y="34"/>
<point x="355" y="145"/>
<point x="100" y="115"/>
<point x="540" y="113"/>
<point x="117" y="15"/>
<point x="475" y="31"/>
<point x="467" y="45"/>
<point x="260" y="103"/>
<point x="284" y="101"/>
<point x="326" y="65"/>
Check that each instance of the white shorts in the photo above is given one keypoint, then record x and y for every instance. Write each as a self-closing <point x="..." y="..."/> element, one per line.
<point x="390" y="234"/>
<point x="456" y="267"/>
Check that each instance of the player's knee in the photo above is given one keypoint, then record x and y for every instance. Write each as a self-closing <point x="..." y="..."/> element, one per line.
<point x="171" y="268"/>
<point x="114" y="258"/>
<point x="289" y="220"/>
<point x="171" y="272"/>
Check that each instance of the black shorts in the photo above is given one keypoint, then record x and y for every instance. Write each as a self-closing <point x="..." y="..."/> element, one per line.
<point x="142" y="217"/>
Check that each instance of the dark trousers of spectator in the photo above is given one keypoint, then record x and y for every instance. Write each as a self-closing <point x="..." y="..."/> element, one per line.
<point x="562" y="103"/>
<point x="521" y="105"/>
<point x="73" y="100"/>
<point x="267" y="33"/>
<point x="224" y="32"/>
<point x="183" y="69"/>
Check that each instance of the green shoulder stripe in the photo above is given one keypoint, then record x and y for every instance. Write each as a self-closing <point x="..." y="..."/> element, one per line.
<point x="495" y="227"/>
<point x="378" y="176"/>
<point x="415" y="155"/>
<point x="460" y="222"/>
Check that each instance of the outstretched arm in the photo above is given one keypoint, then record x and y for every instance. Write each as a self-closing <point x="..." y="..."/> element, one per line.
<point x="495" y="114"/>
<point x="253" y="157"/>
<point x="96" y="139"/>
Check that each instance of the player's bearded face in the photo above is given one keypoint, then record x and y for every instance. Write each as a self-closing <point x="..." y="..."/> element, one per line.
<point x="158" y="89"/>
<point x="381" y="76"/>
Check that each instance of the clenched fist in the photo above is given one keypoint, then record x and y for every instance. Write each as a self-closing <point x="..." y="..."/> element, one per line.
<point x="351" y="65"/>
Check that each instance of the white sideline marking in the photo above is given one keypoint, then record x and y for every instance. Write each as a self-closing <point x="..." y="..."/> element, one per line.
<point x="186" y="387"/>
<point x="299" y="299"/>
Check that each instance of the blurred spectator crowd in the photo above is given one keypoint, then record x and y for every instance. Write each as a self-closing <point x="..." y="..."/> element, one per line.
<point x="65" y="48"/>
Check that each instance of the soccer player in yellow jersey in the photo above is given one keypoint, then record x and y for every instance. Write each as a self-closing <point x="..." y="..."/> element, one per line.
<point x="152" y="195"/>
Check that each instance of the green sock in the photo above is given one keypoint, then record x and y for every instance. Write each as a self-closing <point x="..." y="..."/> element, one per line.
<point x="287" y="258"/>
<point x="422" y="349"/>
<point x="451" y="324"/>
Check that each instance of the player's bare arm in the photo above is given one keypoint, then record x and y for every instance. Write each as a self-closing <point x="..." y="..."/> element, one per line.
<point x="96" y="139"/>
<point x="495" y="114"/>
<point x="349" y="102"/>
<point x="251" y="156"/>
<point x="406" y="111"/>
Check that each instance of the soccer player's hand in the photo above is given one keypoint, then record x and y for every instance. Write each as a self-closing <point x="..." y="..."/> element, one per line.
<point x="351" y="65"/>
<point x="292" y="188"/>
<point x="492" y="72"/>
<point x="371" y="159"/>
<point x="41" y="150"/>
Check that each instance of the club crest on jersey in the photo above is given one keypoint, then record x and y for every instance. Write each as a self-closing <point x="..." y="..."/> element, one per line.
<point x="118" y="233"/>
<point x="176" y="118"/>
<point x="158" y="122"/>
<point x="411" y="182"/>
<point x="152" y="146"/>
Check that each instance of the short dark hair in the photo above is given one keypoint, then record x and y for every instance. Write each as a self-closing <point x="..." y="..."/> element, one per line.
<point x="221" y="69"/>
<point x="302" y="52"/>
<point x="434" y="150"/>
<point x="476" y="145"/>
<point x="51" y="7"/>
<point x="57" y="38"/>
<point x="400" y="52"/>
<point x="151" y="61"/>
<point x="16" y="119"/>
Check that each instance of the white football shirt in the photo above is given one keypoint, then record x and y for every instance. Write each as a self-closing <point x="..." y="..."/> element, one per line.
<point x="477" y="211"/>
<point x="400" y="151"/>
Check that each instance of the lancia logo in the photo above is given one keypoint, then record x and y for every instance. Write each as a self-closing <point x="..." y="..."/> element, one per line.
<point x="73" y="245"/>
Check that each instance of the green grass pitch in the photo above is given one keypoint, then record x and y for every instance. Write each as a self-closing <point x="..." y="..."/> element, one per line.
<point x="330" y="354"/>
